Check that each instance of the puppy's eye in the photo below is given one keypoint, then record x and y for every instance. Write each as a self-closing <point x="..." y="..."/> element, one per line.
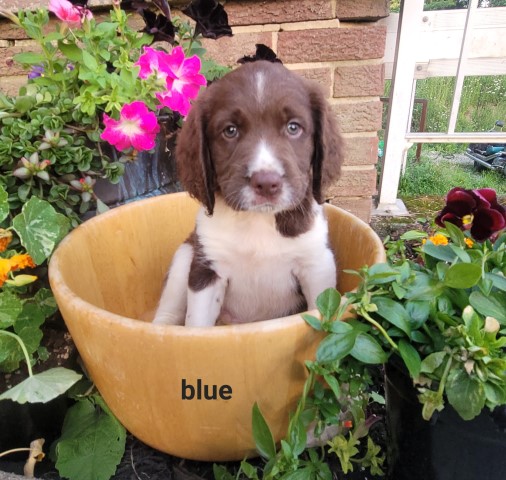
<point x="230" y="131"/>
<point x="293" y="128"/>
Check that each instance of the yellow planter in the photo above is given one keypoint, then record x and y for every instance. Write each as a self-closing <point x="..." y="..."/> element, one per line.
<point x="108" y="273"/>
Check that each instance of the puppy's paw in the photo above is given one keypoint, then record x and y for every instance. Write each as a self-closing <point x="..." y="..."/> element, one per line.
<point x="167" y="319"/>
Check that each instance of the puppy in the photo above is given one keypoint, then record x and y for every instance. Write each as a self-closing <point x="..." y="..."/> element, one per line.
<point x="256" y="150"/>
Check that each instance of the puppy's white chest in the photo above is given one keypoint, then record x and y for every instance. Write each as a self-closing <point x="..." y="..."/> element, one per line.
<point x="260" y="266"/>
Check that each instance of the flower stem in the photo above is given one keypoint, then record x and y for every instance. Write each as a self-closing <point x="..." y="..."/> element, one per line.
<point x="371" y="320"/>
<point x="442" y="383"/>
<point x="23" y="348"/>
<point x="14" y="450"/>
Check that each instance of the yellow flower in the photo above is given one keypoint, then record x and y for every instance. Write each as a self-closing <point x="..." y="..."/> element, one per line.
<point x="5" y="268"/>
<point x="439" y="239"/>
<point x="469" y="242"/>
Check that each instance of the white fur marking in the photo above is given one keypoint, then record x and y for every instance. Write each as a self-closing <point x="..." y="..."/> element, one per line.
<point x="264" y="159"/>
<point x="260" y="85"/>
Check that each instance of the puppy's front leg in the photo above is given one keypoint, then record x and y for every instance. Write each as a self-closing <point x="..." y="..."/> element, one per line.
<point x="316" y="275"/>
<point x="172" y="306"/>
<point x="204" y="305"/>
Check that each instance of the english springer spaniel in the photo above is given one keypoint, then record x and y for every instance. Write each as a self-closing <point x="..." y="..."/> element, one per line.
<point x="256" y="150"/>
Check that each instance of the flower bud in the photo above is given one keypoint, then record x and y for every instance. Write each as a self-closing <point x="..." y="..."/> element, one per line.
<point x="491" y="325"/>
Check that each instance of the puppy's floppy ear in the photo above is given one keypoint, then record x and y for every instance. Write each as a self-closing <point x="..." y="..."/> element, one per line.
<point x="193" y="159"/>
<point x="327" y="154"/>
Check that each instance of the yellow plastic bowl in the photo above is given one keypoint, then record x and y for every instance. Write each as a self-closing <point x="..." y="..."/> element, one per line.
<point x="108" y="272"/>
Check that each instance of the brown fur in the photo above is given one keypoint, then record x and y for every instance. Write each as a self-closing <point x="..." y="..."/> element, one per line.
<point x="210" y="164"/>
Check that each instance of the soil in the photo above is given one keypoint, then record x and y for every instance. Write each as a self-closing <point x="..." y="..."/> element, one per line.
<point x="142" y="462"/>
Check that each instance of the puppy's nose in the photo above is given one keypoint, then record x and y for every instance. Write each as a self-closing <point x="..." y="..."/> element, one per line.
<point x="266" y="183"/>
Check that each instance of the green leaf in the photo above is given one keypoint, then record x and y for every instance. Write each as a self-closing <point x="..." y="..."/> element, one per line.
<point x="335" y="346"/>
<point x="4" y="204"/>
<point x="92" y="443"/>
<point x="221" y="473"/>
<point x="455" y="233"/>
<point x="489" y="306"/>
<point x="89" y="60"/>
<point x="393" y="313"/>
<point x="465" y="394"/>
<point x="262" y="434"/>
<point x="40" y="228"/>
<point x="439" y="252"/>
<point x="313" y="322"/>
<point x="432" y="362"/>
<point x="328" y="303"/>
<point x="499" y="281"/>
<point x="413" y="235"/>
<point x="10" y="353"/>
<point x="10" y="308"/>
<point x="380" y="273"/>
<point x="462" y="275"/>
<point x="30" y="58"/>
<point x="42" y="387"/>
<point x="411" y="358"/>
<point x="418" y="312"/>
<point x="366" y="349"/>
<point x="249" y="470"/>
<point x="71" y="51"/>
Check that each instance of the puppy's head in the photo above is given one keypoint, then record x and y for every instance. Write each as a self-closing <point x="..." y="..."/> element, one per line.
<point x="262" y="137"/>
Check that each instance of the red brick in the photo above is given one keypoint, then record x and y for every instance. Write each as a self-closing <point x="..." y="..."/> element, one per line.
<point x="10" y="85"/>
<point x="322" y="76"/>
<point x="227" y="50"/>
<point x="361" y="207"/>
<point x="247" y="12"/>
<point x="360" y="150"/>
<point x="354" y="183"/>
<point x="332" y="44"/>
<point x="8" y="67"/>
<point x="359" y="116"/>
<point x="362" y="9"/>
<point x="359" y="81"/>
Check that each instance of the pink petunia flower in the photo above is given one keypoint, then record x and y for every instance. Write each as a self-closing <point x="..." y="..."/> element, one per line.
<point x="181" y="74"/>
<point x="137" y="128"/>
<point x="72" y="15"/>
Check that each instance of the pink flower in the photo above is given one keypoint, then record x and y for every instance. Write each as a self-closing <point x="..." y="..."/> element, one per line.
<point x="72" y="15"/>
<point x="137" y="128"/>
<point x="181" y="74"/>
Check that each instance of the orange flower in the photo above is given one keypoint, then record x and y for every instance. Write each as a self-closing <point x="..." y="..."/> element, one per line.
<point x="20" y="261"/>
<point x="16" y="262"/>
<point x="5" y="239"/>
<point x="469" y="242"/>
<point x="439" y="239"/>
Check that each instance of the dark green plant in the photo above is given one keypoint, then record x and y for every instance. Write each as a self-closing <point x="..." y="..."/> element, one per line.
<point x="440" y="313"/>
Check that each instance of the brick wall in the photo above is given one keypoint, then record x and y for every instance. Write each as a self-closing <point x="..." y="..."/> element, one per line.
<point x="337" y="43"/>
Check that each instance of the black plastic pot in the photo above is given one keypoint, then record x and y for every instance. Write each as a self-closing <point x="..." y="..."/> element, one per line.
<point x="150" y="174"/>
<point x="446" y="447"/>
<point x="20" y="424"/>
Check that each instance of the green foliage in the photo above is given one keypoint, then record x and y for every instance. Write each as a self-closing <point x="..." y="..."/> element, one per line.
<point x="25" y="305"/>
<point x="437" y="177"/>
<point x="42" y="387"/>
<point x="454" y="348"/>
<point x="50" y="132"/>
<point x="335" y="395"/>
<point x="92" y="441"/>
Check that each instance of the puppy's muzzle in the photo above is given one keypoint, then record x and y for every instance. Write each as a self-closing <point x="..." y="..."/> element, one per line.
<point x="266" y="184"/>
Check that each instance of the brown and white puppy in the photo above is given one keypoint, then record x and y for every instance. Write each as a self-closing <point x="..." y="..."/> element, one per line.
<point x="256" y="150"/>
